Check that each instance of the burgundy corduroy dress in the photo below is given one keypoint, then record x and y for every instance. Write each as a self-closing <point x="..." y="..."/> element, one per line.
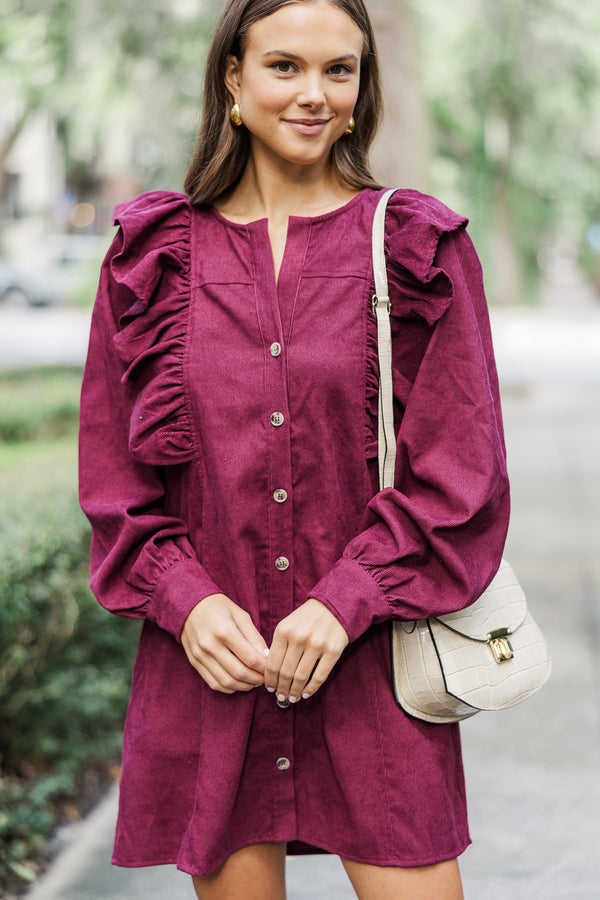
<point x="229" y="444"/>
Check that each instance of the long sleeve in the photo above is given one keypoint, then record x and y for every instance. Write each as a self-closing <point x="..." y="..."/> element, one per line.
<point x="142" y="563"/>
<point x="433" y="543"/>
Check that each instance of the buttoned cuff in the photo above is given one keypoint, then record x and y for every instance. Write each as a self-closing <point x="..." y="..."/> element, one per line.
<point x="178" y="591"/>
<point x="353" y="596"/>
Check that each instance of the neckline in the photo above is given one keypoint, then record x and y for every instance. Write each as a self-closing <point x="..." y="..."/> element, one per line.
<point x="308" y="219"/>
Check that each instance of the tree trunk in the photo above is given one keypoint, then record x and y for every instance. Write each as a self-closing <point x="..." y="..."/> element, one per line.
<point x="401" y="152"/>
<point x="506" y="281"/>
<point x="8" y="143"/>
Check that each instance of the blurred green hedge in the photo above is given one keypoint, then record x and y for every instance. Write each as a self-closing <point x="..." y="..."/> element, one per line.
<point x="64" y="662"/>
<point x="38" y="404"/>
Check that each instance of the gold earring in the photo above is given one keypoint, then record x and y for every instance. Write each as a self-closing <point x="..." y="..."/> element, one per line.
<point x="351" y="126"/>
<point x="236" y="115"/>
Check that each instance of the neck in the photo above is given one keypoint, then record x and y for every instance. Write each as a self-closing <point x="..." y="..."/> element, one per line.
<point x="268" y="189"/>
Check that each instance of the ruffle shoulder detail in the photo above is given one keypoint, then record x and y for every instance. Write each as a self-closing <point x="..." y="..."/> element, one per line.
<point x="151" y="266"/>
<point x="415" y="225"/>
<point x="418" y="288"/>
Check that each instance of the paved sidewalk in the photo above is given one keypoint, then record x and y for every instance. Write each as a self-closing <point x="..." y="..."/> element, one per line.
<point x="533" y="773"/>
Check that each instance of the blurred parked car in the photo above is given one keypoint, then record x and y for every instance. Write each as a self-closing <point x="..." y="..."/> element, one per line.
<point x="57" y="271"/>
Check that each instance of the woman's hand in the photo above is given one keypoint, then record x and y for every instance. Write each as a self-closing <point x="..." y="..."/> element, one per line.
<point x="306" y="646"/>
<point x="223" y="645"/>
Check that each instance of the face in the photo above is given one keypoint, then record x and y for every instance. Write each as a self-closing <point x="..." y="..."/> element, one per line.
<point x="298" y="81"/>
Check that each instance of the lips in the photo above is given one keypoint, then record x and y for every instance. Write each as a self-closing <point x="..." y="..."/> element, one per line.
<point x="307" y="126"/>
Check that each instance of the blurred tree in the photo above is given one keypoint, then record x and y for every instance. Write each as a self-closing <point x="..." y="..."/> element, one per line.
<point x="514" y="91"/>
<point x="401" y="153"/>
<point x="120" y="80"/>
<point x="511" y="88"/>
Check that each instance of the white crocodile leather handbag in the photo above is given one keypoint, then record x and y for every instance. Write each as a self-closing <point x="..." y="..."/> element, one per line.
<point x="491" y="655"/>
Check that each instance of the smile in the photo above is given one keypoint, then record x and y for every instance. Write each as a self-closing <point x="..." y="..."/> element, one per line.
<point x="307" y="126"/>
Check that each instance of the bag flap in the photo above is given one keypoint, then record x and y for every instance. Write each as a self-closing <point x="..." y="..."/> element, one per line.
<point x="473" y="675"/>
<point x="502" y="605"/>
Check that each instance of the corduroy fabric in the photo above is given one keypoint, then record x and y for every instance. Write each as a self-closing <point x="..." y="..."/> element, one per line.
<point x="179" y="463"/>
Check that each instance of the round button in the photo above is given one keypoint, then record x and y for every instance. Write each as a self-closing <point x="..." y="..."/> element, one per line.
<point x="283" y="704"/>
<point x="283" y="763"/>
<point x="277" y="419"/>
<point x="280" y="496"/>
<point x="282" y="563"/>
<point x="275" y="349"/>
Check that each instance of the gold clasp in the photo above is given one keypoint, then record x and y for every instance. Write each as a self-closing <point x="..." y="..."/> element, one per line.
<point x="375" y="304"/>
<point x="499" y="644"/>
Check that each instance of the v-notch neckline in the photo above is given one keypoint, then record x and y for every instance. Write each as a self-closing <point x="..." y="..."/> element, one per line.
<point x="286" y="282"/>
<point x="277" y="271"/>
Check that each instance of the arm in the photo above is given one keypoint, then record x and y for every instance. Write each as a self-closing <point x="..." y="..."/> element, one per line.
<point x="432" y="544"/>
<point x="142" y="562"/>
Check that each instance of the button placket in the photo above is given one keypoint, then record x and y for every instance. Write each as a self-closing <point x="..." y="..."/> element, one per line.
<point x="280" y="455"/>
<point x="280" y="517"/>
<point x="279" y="588"/>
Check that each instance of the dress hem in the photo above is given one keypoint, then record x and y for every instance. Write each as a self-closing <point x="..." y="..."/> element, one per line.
<point x="318" y="849"/>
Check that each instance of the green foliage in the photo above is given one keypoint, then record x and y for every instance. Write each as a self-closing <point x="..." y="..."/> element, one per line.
<point x="512" y="86"/>
<point x="64" y="662"/>
<point x="514" y="89"/>
<point x="25" y="818"/>
<point x="106" y="69"/>
<point x="40" y="404"/>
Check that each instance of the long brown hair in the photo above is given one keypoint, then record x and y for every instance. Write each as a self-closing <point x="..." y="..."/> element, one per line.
<point x="222" y="150"/>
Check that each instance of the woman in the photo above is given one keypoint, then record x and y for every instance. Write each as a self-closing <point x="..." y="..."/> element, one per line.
<point x="229" y="469"/>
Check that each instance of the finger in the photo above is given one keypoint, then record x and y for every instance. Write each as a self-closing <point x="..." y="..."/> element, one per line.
<point x="231" y="638"/>
<point x="320" y="674"/>
<point x="213" y="650"/>
<point x="233" y="666"/>
<point x="273" y="663"/>
<point x="302" y="674"/>
<point x="287" y="670"/>
<point x="219" y="679"/>
<point x="251" y="633"/>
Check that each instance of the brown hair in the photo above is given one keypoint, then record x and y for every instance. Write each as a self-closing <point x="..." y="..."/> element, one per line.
<point x="222" y="150"/>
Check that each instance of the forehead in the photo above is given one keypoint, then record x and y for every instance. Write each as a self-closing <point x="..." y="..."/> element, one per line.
<point x="315" y="24"/>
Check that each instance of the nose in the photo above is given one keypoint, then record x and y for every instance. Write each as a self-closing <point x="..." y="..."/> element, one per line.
<point x="311" y="94"/>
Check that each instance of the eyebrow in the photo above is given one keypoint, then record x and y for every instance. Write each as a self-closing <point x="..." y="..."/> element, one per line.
<point x="348" y="57"/>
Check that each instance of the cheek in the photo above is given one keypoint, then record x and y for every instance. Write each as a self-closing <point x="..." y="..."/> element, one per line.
<point x="345" y="97"/>
<point x="262" y="93"/>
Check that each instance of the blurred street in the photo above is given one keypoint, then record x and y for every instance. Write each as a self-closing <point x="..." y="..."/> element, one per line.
<point x="44" y="336"/>
<point x="532" y="345"/>
<point x="533" y="773"/>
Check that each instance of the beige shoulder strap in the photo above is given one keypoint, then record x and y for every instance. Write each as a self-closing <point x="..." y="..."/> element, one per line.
<point x="381" y="309"/>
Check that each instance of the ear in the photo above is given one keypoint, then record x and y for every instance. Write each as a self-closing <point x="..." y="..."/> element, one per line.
<point x="232" y="76"/>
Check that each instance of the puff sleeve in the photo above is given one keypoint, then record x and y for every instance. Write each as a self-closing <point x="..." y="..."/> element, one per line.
<point x="432" y="544"/>
<point x="134" y="421"/>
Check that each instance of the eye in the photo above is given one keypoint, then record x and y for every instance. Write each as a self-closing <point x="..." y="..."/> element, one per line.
<point x="283" y="66"/>
<point x="340" y="69"/>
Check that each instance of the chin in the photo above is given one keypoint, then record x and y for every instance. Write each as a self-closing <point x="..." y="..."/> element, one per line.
<point x="302" y="158"/>
<point x="298" y="154"/>
<point x="306" y="161"/>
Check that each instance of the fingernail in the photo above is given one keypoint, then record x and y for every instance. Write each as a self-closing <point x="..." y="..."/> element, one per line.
<point x="281" y="697"/>
<point x="304" y="697"/>
<point x="293" y="699"/>
<point x="271" y="690"/>
<point x="266" y="651"/>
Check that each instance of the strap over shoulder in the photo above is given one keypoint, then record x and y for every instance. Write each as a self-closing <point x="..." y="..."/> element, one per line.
<point x="381" y="309"/>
